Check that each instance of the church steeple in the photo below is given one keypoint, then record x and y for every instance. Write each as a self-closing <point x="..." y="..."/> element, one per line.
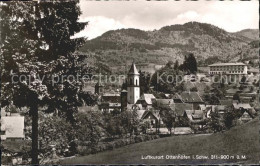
<point x="133" y="85"/>
<point x="133" y="70"/>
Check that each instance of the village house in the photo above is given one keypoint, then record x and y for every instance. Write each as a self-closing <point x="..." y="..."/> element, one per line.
<point x="177" y="98"/>
<point x="12" y="127"/>
<point x="153" y="117"/>
<point x="208" y="109"/>
<point x="195" y="117"/>
<point x="246" y="111"/>
<point x="163" y="102"/>
<point x="180" y="108"/>
<point x="110" y="102"/>
<point x="146" y="100"/>
<point x="226" y="103"/>
<point x="191" y="98"/>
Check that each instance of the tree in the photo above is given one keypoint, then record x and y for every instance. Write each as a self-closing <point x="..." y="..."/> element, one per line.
<point x="182" y="122"/>
<point x="89" y="127"/>
<point x="243" y="79"/>
<point x="216" y="123"/>
<point x="168" y="117"/>
<point x="53" y="130"/>
<point x="164" y="80"/>
<point x="212" y="99"/>
<point x="229" y="117"/>
<point x="176" y="65"/>
<point x="236" y="96"/>
<point x="144" y="125"/>
<point x="169" y="64"/>
<point x="129" y="121"/>
<point x="190" y="64"/>
<point x="36" y="42"/>
<point x="207" y="89"/>
<point x="144" y="82"/>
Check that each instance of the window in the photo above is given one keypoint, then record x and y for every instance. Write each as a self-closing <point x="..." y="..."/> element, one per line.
<point x="136" y="82"/>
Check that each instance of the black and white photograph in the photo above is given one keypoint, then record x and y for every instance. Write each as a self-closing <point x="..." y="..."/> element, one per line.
<point x="129" y="82"/>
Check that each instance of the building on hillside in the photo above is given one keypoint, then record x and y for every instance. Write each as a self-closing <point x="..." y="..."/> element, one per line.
<point x="133" y="89"/>
<point x="110" y="102"/>
<point x="179" y="108"/>
<point x="227" y="102"/>
<point x="177" y="98"/>
<point x="191" y="98"/>
<point x="208" y="109"/>
<point x="247" y="112"/>
<point x="195" y="117"/>
<point x="228" y="68"/>
<point x="246" y="116"/>
<point x="153" y="117"/>
<point x="163" y="102"/>
<point x="146" y="100"/>
<point x="253" y="71"/>
<point x="12" y="127"/>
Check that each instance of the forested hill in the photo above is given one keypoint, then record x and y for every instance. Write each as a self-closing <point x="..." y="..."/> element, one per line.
<point x="250" y="34"/>
<point x="208" y="43"/>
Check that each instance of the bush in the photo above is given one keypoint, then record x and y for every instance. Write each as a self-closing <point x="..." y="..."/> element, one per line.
<point x="102" y="147"/>
<point x="128" y="141"/>
<point x="110" y="146"/>
<point x="139" y="139"/>
<point x="83" y="150"/>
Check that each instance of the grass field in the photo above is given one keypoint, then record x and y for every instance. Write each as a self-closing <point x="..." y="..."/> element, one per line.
<point x="240" y="140"/>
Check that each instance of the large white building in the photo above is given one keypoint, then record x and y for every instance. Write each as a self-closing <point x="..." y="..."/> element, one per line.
<point x="133" y="89"/>
<point x="228" y="68"/>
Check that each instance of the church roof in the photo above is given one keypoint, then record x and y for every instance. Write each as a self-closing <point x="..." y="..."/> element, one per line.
<point x="133" y="70"/>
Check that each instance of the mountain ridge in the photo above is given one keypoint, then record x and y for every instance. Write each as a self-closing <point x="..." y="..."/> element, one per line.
<point x="172" y="42"/>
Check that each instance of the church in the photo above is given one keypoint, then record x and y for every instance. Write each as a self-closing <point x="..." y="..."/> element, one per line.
<point x="127" y="97"/>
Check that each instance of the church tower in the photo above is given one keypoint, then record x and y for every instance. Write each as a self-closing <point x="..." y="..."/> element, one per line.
<point x="133" y="88"/>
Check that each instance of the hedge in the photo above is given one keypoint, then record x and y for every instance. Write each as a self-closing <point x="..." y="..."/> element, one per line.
<point x="103" y="146"/>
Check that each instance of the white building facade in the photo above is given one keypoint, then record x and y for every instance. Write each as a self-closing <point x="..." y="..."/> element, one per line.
<point x="228" y="68"/>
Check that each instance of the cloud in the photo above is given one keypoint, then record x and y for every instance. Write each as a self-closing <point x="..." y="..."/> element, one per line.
<point x="149" y="15"/>
<point x="190" y="15"/>
<point x="97" y="25"/>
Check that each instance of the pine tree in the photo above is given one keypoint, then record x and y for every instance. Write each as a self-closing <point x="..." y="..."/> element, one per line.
<point x="190" y="64"/>
<point x="176" y="65"/>
<point x="36" y="42"/>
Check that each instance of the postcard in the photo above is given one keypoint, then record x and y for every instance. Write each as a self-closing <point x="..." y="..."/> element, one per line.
<point x="129" y="82"/>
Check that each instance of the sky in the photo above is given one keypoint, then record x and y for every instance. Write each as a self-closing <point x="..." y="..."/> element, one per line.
<point x="103" y="16"/>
